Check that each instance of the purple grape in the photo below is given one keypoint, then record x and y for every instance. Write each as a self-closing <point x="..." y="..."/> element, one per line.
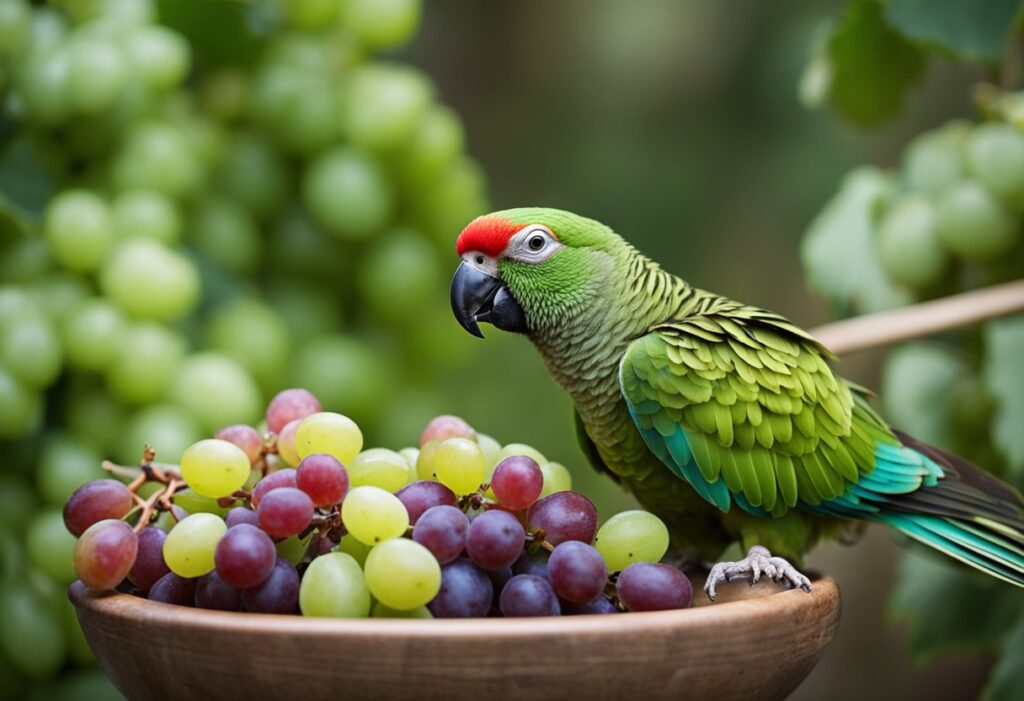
<point x="565" y="516"/>
<point x="466" y="592"/>
<point x="245" y="556"/>
<point x="652" y="586"/>
<point x="275" y="480"/>
<point x="285" y="512"/>
<point x="442" y="531"/>
<point x="517" y="482"/>
<point x="212" y="592"/>
<point x="600" y="605"/>
<point x="240" y="515"/>
<point x="531" y="563"/>
<point x="527" y="595"/>
<point x="495" y="539"/>
<point x="421" y="495"/>
<point x="149" y="560"/>
<point x="172" y="589"/>
<point x="323" y="478"/>
<point x="577" y="571"/>
<point x="289" y="405"/>
<point x="279" y="594"/>
<point x="499" y="578"/>
<point x="96" y="501"/>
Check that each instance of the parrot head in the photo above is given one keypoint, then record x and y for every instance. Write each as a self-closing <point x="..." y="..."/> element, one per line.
<point x="524" y="270"/>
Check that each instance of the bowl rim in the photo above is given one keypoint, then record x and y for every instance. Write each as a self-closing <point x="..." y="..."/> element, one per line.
<point x="126" y="607"/>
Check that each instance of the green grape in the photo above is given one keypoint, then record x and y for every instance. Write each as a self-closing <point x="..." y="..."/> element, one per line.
<point x="94" y="415"/>
<point x="286" y="448"/>
<point x="306" y="309"/>
<point x="352" y="546"/>
<point x="520" y="449"/>
<point x="383" y="24"/>
<point x="343" y="373"/>
<point x="169" y="429"/>
<point x="384" y="105"/>
<point x="232" y="328"/>
<point x="227" y="234"/>
<point x="157" y="156"/>
<point x="216" y="390"/>
<point x="311" y="14"/>
<point x="935" y="160"/>
<point x="42" y="82"/>
<point x="333" y="586"/>
<point x="15" y="16"/>
<point x="402" y="574"/>
<point x="214" y="468"/>
<point x="24" y="260"/>
<point x="972" y="224"/>
<point x="158" y="54"/>
<point x="20" y="407"/>
<point x="65" y="464"/>
<point x="556" y="478"/>
<point x="908" y="245"/>
<point x="189" y="548"/>
<point x="327" y="432"/>
<point x="198" y="504"/>
<point x="223" y="93"/>
<point x="995" y="156"/>
<point x="293" y="548"/>
<point x="15" y="302"/>
<point x="373" y="515"/>
<point x="917" y="386"/>
<point x="92" y="333"/>
<point x="382" y="611"/>
<point x="379" y="467"/>
<point x="460" y="465"/>
<point x="299" y="246"/>
<point x="57" y="293"/>
<point x="78" y="230"/>
<point x="50" y="547"/>
<point x="150" y="281"/>
<point x="491" y="450"/>
<point x="348" y="193"/>
<point x="253" y="173"/>
<point x="397" y="274"/>
<point x="631" y="536"/>
<point x="426" y="461"/>
<point x="146" y="214"/>
<point x="17" y="501"/>
<point x="31" y="637"/>
<point x="411" y="456"/>
<point x="435" y="143"/>
<point x="96" y="76"/>
<point x="30" y="350"/>
<point x="146" y="363"/>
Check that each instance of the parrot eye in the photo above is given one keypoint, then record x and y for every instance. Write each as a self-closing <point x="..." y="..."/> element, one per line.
<point x="536" y="242"/>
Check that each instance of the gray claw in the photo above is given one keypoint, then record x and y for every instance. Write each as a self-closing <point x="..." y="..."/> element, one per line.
<point x="757" y="562"/>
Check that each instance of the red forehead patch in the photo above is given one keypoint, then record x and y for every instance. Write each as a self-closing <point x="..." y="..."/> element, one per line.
<point x="487" y="234"/>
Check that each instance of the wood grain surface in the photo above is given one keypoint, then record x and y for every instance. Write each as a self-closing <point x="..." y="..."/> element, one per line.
<point x="755" y="643"/>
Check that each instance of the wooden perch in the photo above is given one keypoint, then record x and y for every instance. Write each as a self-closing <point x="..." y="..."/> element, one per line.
<point x="917" y="320"/>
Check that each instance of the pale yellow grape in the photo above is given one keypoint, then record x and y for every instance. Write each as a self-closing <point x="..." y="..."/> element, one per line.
<point x="334" y="587"/>
<point x="520" y="449"/>
<point x="425" y="461"/>
<point x="459" y="464"/>
<point x="402" y="574"/>
<point x="214" y="468"/>
<point x="327" y="432"/>
<point x="491" y="449"/>
<point x="286" y="444"/>
<point x="557" y="478"/>
<point x="631" y="536"/>
<point x="190" y="545"/>
<point x="379" y="467"/>
<point x="353" y="547"/>
<point x="382" y="611"/>
<point x="411" y="455"/>
<point x="373" y="515"/>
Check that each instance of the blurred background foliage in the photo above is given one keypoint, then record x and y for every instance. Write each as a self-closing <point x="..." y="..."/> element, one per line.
<point x="296" y="166"/>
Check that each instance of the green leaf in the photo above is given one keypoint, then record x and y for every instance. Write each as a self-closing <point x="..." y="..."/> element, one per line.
<point x="1004" y="379"/>
<point x="1007" y="680"/>
<point x="951" y="608"/>
<point x="872" y="66"/>
<point x="838" y="252"/>
<point x="25" y="187"/>
<point x="975" y="30"/>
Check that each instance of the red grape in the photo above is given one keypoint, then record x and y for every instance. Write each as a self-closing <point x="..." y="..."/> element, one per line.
<point x="212" y="592"/>
<point x="245" y="556"/>
<point x="517" y="482"/>
<point x="495" y="539"/>
<point x="285" y="512"/>
<point x="289" y="405"/>
<point x="323" y="478"/>
<point x="105" y="553"/>
<point x="275" y="480"/>
<point x="279" y="594"/>
<point x="527" y="595"/>
<point x="442" y="531"/>
<point x="149" y="560"/>
<point x="577" y="571"/>
<point x="565" y="516"/>
<point x="652" y="586"/>
<point x="174" y="589"/>
<point x="95" y="501"/>
<point x="600" y="605"/>
<point x="423" y="494"/>
<point x="240" y="515"/>
<point x="466" y="592"/>
<point x="446" y="426"/>
<point x="245" y="437"/>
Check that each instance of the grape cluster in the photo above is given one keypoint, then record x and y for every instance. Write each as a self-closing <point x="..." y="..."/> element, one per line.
<point x="307" y="520"/>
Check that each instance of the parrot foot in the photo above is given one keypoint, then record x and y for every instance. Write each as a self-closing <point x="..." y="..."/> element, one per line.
<point x="757" y="562"/>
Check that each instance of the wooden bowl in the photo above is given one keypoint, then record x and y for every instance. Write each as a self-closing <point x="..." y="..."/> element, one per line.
<point x="756" y="642"/>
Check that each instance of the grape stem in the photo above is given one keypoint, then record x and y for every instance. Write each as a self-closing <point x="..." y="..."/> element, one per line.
<point x="917" y="320"/>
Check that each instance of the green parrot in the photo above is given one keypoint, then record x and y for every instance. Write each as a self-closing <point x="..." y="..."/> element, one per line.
<point x="725" y="420"/>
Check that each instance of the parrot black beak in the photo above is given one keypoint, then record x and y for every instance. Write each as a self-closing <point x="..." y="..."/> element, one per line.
<point x="477" y="296"/>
